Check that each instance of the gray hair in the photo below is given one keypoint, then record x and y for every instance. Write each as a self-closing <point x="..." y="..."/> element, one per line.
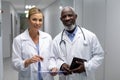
<point x="69" y="8"/>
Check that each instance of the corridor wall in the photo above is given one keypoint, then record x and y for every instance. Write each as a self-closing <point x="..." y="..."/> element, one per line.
<point x="1" y="55"/>
<point x="10" y="27"/>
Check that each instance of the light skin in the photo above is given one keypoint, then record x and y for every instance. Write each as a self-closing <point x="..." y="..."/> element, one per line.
<point x="35" y="23"/>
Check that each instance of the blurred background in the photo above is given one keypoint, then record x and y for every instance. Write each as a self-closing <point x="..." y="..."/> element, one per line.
<point x="100" y="16"/>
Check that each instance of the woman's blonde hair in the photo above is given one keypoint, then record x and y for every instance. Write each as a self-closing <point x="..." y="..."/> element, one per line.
<point x="33" y="10"/>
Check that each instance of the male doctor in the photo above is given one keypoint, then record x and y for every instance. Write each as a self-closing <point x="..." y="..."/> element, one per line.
<point x="75" y="41"/>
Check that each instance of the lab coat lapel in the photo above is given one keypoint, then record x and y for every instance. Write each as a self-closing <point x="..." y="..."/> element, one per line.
<point x="66" y="38"/>
<point x="77" y="35"/>
<point x="27" y="37"/>
<point x="41" y="40"/>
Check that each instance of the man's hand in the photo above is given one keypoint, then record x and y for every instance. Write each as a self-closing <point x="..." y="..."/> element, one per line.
<point x="65" y="68"/>
<point x="79" y="69"/>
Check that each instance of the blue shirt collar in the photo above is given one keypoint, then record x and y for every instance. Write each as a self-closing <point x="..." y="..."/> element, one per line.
<point x="71" y="35"/>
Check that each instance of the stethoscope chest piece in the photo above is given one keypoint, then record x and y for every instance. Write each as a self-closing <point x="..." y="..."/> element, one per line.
<point x="85" y="43"/>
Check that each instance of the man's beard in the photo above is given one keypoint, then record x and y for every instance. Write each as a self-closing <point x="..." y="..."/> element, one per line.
<point x="69" y="28"/>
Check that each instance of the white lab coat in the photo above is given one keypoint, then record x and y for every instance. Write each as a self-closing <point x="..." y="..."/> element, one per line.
<point x="92" y="52"/>
<point x="24" y="48"/>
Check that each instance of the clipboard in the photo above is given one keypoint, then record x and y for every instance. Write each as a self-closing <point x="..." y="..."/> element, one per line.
<point x="74" y="64"/>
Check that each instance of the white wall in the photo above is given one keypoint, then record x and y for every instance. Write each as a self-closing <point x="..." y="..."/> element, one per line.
<point x="78" y="5"/>
<point x="66" y="3"/>
<point x="6" y="29"/>
<point x="9" y="27"/>
<point x="52" y="21"/>
<point x="1" y="59"/>
<point x="112" y="40"/>
<point x="1" y="56"/>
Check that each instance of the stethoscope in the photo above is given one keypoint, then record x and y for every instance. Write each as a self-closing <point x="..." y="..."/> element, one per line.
<point x="63" y="41"/>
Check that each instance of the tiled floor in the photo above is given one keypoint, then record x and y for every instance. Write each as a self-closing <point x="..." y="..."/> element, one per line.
<point x="8" y="72"/>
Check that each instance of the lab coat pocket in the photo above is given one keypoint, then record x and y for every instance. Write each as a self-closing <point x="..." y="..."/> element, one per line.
<point x="62" y="56"/>
<point x="48" y="76"/>
<point x="25" y="73"/>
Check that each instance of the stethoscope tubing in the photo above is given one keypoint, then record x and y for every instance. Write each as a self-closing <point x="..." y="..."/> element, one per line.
<point x="64" y="40"/>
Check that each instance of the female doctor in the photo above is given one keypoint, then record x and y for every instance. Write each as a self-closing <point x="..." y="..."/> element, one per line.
<point x="75" y="41"/>
<point x="31" y="48"/>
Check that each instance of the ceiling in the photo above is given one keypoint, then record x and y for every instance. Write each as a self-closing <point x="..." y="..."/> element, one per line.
<point x="20" y="4"/>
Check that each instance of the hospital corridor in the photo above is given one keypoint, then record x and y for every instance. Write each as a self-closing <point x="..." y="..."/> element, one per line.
<point x="101" y="17"/>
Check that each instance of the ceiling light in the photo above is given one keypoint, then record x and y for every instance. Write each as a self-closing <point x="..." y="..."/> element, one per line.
<point x="60" y="7"/>
<point x="26" y="11"/>
<point x="29" y="6"/>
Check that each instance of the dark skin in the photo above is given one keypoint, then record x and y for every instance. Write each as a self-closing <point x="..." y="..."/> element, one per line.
<point x="68" y="18"/>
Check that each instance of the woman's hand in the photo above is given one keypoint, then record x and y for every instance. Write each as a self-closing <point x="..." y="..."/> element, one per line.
<point x="34" y="59"/>
<point x="54" y="71"/>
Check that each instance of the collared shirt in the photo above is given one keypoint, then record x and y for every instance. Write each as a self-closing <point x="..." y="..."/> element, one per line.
<point x="71" y="35"/>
